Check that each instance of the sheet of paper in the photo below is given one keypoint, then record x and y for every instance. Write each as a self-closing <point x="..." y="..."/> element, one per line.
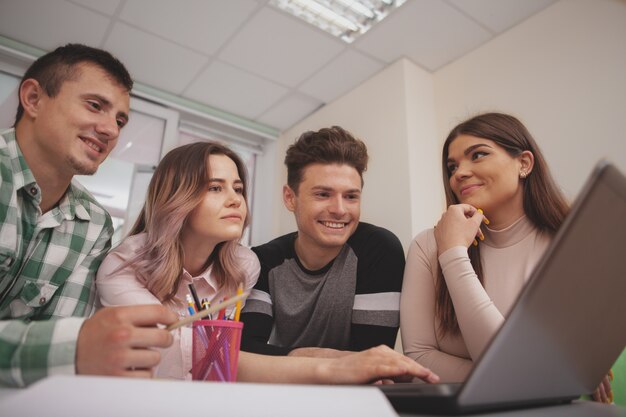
<point x="62" y="396"/>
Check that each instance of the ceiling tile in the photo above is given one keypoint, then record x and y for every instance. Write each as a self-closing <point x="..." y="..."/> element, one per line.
<point x="106" y="7"/>
<point x="263" y="53"/>
<point x="234" y="90"/>
<point x="429" y="32"/>
<point x="341" y="75"/>
<point x="289" y="111"/>
<point x="280" y="48"/>
<point x="198" y="24"/>
<point x="152" y="60"/>
<point x="51" y="23"/>
<point x="499" y="15"/>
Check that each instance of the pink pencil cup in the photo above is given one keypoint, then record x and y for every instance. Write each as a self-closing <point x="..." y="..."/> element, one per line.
<point x="215" y="350"/>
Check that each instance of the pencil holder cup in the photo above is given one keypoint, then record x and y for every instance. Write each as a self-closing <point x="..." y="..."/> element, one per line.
<point x="215" y="350"/>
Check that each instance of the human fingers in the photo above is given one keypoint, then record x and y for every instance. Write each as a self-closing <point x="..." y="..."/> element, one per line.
<point x="480" y="235"/>
<point x="147" y="337"/>
<point x="401" y="373"/>
<point x="138" y="359"/>
<point x="484" y="218"/>
<point x="400" y="367"/>
<point x="137" y="373"/>
<point x="595" y="395"/>
<point x="599" y="394"/>
<point x="419" y="371"/>
<point x="479" y="218"/>
<point x="606" y="383"/>
<point x="455" y="228"/>
<point x="476" y="217"/>
<point x="384" y="381"/>
<point x="466" y="209"/>
<point x="147" y="315"/>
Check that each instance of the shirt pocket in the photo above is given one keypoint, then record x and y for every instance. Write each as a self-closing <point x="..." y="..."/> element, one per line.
<point x="34" y="295"/>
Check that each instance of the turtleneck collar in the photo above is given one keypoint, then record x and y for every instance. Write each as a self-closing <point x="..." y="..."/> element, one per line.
<point x="508" y="236"/>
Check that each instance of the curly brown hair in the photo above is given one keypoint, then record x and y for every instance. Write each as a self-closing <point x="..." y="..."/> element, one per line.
<point x="333" y="145"/>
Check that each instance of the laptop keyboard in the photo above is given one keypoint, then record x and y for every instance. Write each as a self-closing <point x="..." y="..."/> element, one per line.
<point x="421" y="389"/>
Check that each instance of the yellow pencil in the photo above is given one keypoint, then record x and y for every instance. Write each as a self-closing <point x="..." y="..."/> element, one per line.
<point x="238" y="305"/>
<point x="203" y="313"/>
<point x="485" y="220"/>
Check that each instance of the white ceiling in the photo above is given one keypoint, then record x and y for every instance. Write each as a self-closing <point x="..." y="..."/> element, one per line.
<point x="249" y="59"/>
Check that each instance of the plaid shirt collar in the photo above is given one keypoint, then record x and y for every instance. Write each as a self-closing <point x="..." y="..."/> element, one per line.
<point x="71" y="205"/>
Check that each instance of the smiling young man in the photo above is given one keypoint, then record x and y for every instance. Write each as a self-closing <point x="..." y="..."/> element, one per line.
<point x="334" y="285"/>
<point x="53" y="234"/>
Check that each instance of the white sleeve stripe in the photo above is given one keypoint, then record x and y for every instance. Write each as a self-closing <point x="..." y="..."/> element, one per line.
<point x="382" y="301"/>
<point x="260" y="296"/>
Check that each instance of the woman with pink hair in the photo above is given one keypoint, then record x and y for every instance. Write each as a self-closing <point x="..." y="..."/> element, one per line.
<point x="188" y="232"/>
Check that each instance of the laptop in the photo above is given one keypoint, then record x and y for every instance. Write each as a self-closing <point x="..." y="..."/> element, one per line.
<point x="567" y="327"/>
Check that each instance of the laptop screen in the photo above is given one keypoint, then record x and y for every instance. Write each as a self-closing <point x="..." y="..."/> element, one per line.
<point x="567" y="326"/>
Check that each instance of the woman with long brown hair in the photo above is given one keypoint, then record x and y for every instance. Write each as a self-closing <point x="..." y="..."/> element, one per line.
<point x="458" y="288"/>
<point x="187" y="232"/>
<point x="463" y="276"/>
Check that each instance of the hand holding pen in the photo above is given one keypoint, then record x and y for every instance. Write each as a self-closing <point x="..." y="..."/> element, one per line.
<point x="481" y="236"/>
<point x="459" y="226"/>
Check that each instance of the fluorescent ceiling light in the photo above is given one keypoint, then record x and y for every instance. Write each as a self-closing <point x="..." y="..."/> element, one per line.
<point x="346" y="19"/>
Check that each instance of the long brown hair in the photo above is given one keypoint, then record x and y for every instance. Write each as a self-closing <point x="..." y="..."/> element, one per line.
<point x="544" y="203"/>
<point x="178" y="185"/>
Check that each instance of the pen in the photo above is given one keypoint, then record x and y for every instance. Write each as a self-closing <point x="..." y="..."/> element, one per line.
<point x="226" y="359"/>
<point x="194" y="294"/>
<point x="485" y="220"/>
<point x="190" y="305"/>
<point x="205" y="305"/>
<point x="203" y="313"/>
<point x="481" y="236"/>
<point x="222" y="313"/>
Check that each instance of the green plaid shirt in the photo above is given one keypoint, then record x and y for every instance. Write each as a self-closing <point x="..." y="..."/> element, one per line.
<point x="47" y="267"/>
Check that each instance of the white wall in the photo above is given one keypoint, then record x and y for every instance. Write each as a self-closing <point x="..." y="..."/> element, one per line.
<point x="563" y="73"/>
<point x="376" y="112"/>
<point x="264" y="204"/>
<point x="424" y="153"/>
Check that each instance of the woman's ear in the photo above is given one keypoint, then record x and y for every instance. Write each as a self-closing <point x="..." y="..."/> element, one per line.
<point x="527" y="162"/>
<point x="30" y="95"/>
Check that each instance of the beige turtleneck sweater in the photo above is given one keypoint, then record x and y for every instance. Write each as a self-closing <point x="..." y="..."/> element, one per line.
<point x="508" y="257"/>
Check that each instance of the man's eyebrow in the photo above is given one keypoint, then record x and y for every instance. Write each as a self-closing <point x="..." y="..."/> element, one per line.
<point x="107" y="103"/>
<point x="123" y="115"/>
<point x="325" y="188"/>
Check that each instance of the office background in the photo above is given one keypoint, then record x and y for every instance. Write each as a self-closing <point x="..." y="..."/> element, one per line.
<point x="562" y="72"/>
<point x="557" y="65"/>
<point x="256" y="78"/>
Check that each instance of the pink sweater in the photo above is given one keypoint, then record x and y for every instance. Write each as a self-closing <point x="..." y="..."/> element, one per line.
<point x="508" y="257"/>
<point x="123" y="288"/>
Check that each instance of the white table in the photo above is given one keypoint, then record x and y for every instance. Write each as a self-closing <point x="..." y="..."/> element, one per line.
<point x="64" y="396"/>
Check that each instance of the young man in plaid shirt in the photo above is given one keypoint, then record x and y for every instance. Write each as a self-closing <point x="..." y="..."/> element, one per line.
<point x="53" y="234"/>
